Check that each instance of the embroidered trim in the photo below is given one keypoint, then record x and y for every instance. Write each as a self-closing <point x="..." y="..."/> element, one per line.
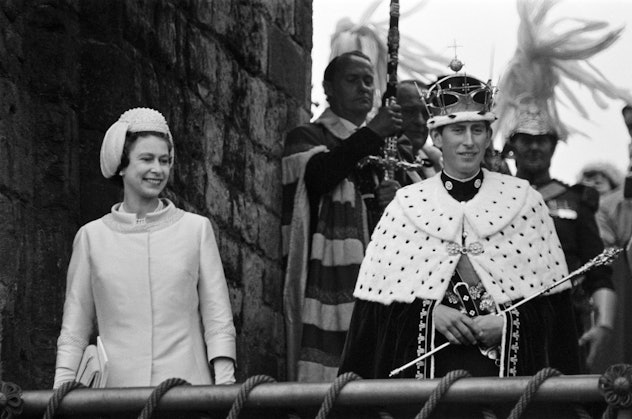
<point x="424" y="338"/>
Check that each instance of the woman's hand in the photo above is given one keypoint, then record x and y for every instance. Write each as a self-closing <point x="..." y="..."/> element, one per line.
<point x="490" y="328"/>
<point x="457" y="327"/>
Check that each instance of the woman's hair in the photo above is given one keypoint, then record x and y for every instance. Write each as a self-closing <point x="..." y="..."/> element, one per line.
<point x="130" y="139"/>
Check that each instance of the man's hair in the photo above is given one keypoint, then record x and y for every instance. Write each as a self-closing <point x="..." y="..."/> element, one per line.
<point x="333" y="66"/>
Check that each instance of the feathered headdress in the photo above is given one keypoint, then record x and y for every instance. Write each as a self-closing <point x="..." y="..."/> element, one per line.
<point x="547" y="58"/>
<point x="416" y="61"/>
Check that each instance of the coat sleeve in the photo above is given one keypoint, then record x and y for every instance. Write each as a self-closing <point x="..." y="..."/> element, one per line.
<point x="215" y="309"/>
<point x="79" y="312"/>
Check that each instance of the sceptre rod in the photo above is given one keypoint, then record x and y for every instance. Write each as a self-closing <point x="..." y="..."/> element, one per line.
<point x="604" y="258"/>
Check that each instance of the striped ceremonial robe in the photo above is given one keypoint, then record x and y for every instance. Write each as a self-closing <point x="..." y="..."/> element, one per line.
<point x="321" y="257"/>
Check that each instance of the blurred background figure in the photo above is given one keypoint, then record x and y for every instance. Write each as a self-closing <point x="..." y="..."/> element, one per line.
<point x="615" y="225"/>
<point x="604" y="177"/>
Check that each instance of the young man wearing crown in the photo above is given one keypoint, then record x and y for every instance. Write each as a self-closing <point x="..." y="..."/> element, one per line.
<point x="451" y="255"/>
<point x="533" y="140"/>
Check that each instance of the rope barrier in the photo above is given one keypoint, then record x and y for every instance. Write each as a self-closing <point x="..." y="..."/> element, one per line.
<point x="488" y="413"/>
<point x="157" y="393"/>
<point x="58" y="395"/>
<point x="334" y="391"/>
<point x="532" y="387"/>
<point x="436" y="395"/>
<point x="244" y="391"/>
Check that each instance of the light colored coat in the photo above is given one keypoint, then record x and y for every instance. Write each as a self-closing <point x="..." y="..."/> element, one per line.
<point x="157" y="292"/>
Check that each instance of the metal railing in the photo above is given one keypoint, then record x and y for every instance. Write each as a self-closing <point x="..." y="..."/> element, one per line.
<point x="398" y="397"/>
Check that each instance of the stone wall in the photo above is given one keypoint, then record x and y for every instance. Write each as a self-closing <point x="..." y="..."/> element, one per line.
<point x="230" y="76"/>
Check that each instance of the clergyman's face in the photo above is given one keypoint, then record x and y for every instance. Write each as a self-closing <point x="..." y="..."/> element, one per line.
<point x="463" y="147"/>
<point x="413" y="121"/>
<point x="533" y="153"/>
<point x="350" y="94"/>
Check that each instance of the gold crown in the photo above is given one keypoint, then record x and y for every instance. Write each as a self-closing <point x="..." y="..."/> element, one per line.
<point x="458" y="98"/>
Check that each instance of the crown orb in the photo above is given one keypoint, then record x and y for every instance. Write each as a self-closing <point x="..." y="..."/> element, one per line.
<point x="456" y="65"/>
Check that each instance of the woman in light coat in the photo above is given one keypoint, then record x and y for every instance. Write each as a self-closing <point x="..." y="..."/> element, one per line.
<point x="148" y="274"/>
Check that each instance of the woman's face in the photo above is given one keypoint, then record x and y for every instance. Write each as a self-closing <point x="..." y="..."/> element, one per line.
<point x="148" y="171"/>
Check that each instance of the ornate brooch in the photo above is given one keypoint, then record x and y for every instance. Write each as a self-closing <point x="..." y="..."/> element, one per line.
<point x="473" y="248"/>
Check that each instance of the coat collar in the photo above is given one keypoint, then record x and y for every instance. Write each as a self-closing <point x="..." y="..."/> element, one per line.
<point x="339" y="127"/>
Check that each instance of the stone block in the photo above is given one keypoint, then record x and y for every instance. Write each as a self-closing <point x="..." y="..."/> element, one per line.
<point x="226" y="84"/>
<point x="201" y="58"/>
<point x="218" y="202"/>
<point x="263" y="180"/>
<point x="270" y="234"/>
<point x="287" y="67"/>
<point x="245" y="218"/>
<point x="304" y="25"/>
<point x="213" y="128"/>
<point x="109" y="87"/>
<point x="215" y="15"/>
<point x="273" y="285"/>
<point x="165" y="35"/>
<point x="234" y="162"/>
<point x="249" y="38"/>
<point x="276" y="122"/>
<point x="230" y="252"/>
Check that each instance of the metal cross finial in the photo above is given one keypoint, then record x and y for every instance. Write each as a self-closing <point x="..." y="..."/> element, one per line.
<point x="455" y="65"/>
<point x="455" y="46"/>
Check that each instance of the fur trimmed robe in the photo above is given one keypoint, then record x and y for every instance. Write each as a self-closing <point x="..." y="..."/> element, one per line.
<point x="413" y="255"/>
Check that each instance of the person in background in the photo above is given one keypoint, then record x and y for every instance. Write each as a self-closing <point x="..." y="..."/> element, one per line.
<point x="533" y="141"/>
<point x="614" y="219"/>
<point x="604" y="177"/>
<point x="148" y="274"/>
<point x="412" y="142"/>
<point x="330" y="206"/>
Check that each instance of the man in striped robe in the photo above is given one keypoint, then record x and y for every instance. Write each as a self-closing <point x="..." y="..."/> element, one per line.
<point x="328" y="207"/>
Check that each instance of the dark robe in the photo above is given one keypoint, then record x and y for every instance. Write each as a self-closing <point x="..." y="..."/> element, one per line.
<point x="382" y="338"/>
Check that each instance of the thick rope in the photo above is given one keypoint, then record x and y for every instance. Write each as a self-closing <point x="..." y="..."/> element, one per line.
<point x="532" y="387"/>
<point x="156" y="395"/>
<point x="439" y="391"/>
<point x="334" y="391"/>
<point x="609" y="413"/>
<point x="488" y="413"/>
<point x="244" y="391"/>
<point x="58" y="395"/>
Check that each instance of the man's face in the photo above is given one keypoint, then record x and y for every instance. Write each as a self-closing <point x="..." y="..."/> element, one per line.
<point x="463" y="147"/>
<point x="350" y="94"/>
<point x="413" y="121"/>
<point x="533" y="153"/>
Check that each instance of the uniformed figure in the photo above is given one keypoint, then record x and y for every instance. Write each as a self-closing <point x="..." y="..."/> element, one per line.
<point x="450" y="257"/>
<point x="573" y="210"/>
<point x="412" y="143"/>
